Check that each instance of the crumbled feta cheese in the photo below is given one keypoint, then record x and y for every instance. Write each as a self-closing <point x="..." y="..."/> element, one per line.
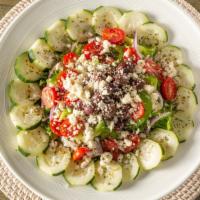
<point x="92" y="119"/>
<point x="127" y="142"/>
<point x="120" y="158"/>
<point x="106" y="47"/>
<point x="109" y="79"/>
<point x="105" y="158"/>
<point x="72" y="119"/>
<point x="102" y="85"/>
<point x="149" y="88"/>
<point x="127" y="99"/>
<point x="111" y="125"/>
<point x="87" y="94"/>
<point x="88" y="134"/>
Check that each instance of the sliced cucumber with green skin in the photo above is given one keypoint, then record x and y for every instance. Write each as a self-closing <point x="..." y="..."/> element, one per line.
<point x="57" y="36"/>
<point x="26" y="116"/>
<point x="110" y="178"/>
<point x="25" y="70"/>
<point x="22" y="93"/>
<point x="167" y="139"/>
<point x="185" y="77"/>
<point x="186" y="101"/>
<point x="79" y="26"/>
<point x="151" y="35"/>
<point x="182" y="125"/>
<point x="42" y="55"/>
<point x="169" y="54"/>
<point x="105" y="17"/>
<point x="33" y="142"/>
<point x="164" y="123"/>
<point x="55" y="160"/>
<point x="149" y="154"/>
<point x="77" y="176"/>
<point x="130" y="21"/>
<point x="130" y="167"/>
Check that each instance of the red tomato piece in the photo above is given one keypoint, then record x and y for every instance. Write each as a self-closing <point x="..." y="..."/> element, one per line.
<point x="111" y="146"/>
<point x="67" y="129"/>
<point x="153" y="68"/>
<point x="114" y="35"/>
<point x="80" y="153"/>
<point x="169" y="89"/>
<point x="139" y="113"/>
<point x="61" y="77"/>
<point x="69" y="58"/>
<point x="49" y="97"/>
<point x="135" y="139"/>
<point x="92" y="49"/>
<point x="131" y="53"/>
<point x="55" y="126"/>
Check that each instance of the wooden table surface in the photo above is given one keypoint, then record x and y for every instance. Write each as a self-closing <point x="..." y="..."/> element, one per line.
<point x="5" y="6"/>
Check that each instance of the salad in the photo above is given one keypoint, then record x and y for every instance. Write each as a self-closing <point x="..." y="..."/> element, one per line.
<point x="101" y="97"/>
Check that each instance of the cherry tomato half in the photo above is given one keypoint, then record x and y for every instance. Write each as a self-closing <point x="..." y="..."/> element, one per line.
<point x="69" y="58"/>
<point x="131" y="53"/>
<point x="114" y="35"/>
<point x="67" y="129"/>
<point x="139" y="112"/>
<point x="92" y="49"/>
<point x="49" y="96"/>
<point x="80" y="153"/>
<point x="153" y="68"/>
<point x="169" y="89"/>
<point x="135" y="139"/>
<point x="55" y="126"/>
<point x="111" y="146"/>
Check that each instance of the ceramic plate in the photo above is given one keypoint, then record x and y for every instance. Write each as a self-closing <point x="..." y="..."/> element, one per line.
<point x="183" y="32"/>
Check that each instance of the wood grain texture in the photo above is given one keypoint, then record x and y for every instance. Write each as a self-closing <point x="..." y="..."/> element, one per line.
<point x="5" y="6"/>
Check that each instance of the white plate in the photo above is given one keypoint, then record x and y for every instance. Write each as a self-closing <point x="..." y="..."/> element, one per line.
<point x="183" y="32"/>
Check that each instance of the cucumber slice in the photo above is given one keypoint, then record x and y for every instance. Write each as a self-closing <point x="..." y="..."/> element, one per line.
<point x="185" y="77"/>
<point x="182" y="125"/>
<point x="167" y="139"/>
<point x="105" y="17"/>
<point x="150" y="154"/>
<point x="26" y="116"/>
<point x="22" y="93"/>
<point x="110" y="178"/>
<point x="79" y="26"/>
<point x="151" y="35"/>
<point x="169" y="54"/>
<point x="130" y="21"/>
<point x="130" y="167"/>
<point x="25" y="70"/>
<point x="42" y="55"/>
<point x="57" y="36"/>
<point x="164" y="123"/>
<point x="55" y="160"/>
<point x="186" y="101"/>
<point x="33" y="142"/>
<point x="79" y="176"/>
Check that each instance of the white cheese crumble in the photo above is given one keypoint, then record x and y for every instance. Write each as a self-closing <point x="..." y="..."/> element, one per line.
<point x="127" y="99"/>
<point x="149" y="88"/>
<point x="106" y="47"/>
<point x="157" y="101"/>
<point x="88" y="134"/>
<point x="72" y="119"/>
